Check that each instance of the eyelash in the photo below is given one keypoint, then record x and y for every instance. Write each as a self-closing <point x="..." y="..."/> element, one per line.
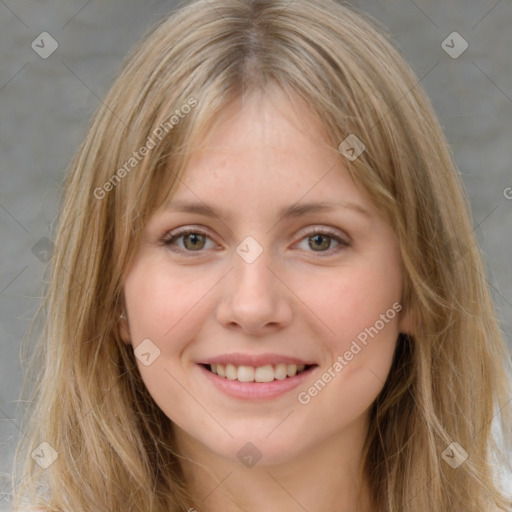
<point x="169" y="238"/>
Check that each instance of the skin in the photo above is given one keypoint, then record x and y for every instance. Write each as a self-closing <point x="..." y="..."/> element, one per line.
<point x="294" y="299"/>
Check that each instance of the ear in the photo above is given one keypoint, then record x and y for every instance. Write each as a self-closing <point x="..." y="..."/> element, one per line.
<point x="407" y="323"/>
<point x="124" y="329"/>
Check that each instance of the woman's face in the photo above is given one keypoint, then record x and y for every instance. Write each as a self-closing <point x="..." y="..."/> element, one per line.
<point x="277" y="263"/>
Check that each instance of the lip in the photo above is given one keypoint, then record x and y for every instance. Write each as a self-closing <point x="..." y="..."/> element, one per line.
<point x="255" y="360"/>
<point x="256" y="390"/>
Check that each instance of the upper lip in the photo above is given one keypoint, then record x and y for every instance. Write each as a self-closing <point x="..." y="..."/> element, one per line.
<point x="254" y="360"/>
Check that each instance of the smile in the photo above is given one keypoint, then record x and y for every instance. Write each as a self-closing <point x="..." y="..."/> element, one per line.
<point x="274" y="379"/>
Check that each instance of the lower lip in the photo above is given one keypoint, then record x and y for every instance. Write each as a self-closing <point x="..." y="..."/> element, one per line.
<point x="256" y="390"/>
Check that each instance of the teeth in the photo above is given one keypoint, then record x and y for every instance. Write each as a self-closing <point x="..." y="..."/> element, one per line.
<point x="291" y="370"/>
<point x="265" y="373"/>
<point x="245" y="374"/>
<point x="231" y="372"/>
<point x="280" y="371"/>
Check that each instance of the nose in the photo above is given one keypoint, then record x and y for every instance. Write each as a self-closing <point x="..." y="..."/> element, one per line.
<point x="254" y="298"/>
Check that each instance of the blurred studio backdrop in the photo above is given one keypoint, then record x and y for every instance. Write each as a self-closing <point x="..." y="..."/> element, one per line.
<point x="59" y="57"/>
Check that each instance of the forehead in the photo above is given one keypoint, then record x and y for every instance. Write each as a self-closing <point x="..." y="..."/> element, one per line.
<point x="268" y="118"/>
<point x="266" y="151"/>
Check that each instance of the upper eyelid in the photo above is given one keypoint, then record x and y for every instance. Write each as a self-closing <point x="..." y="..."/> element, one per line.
<point x="182" y="231"/>
<point x="326" y="230"/>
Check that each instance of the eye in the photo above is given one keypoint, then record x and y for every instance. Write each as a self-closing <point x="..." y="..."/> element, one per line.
<point x="320" y="240"/>
<point x="192" y="240"/>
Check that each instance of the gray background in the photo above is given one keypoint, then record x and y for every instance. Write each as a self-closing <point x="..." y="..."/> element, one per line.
<point x="46" y="104"/>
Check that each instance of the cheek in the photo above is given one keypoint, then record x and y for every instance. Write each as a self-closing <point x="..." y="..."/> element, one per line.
<point x="359" y="303"/>
<point x="161" y="303"/>
<point x="355" y="298"/>
<point x="361" y="306"/>
<point x="164" y="309"/>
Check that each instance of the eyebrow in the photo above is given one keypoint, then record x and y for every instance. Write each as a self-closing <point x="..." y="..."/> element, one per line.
<point x="293" y="211"/>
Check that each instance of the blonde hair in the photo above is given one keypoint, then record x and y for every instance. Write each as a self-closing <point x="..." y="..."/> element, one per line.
<point x="448" y="382"/>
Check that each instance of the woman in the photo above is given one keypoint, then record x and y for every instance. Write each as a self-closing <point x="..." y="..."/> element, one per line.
<point x="207" y="346"/>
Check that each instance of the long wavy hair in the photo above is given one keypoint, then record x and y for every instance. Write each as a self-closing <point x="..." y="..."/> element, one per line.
<point x="450" y="380"/>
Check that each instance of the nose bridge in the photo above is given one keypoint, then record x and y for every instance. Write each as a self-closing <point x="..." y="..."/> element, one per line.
<point x="252" y="278"/>
<point x="253" y="296"/>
